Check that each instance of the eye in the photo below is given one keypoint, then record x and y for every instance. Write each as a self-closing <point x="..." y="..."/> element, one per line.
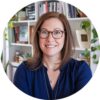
<point x="57" y="32"/>
<point x="43" y="31"/>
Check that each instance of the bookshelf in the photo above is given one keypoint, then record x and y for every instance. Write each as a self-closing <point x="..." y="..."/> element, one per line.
<point x="23" y="25"/>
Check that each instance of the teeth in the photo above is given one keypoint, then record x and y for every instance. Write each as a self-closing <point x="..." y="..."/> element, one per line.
<point x="50" y="46"/>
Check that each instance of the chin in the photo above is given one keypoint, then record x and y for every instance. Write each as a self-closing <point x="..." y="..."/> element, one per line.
<point x="51" y="54"/>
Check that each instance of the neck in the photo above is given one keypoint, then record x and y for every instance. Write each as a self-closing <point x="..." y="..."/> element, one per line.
<point x="52" y="63"/>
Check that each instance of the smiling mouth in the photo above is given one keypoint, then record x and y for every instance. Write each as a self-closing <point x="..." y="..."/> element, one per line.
<point x="50" y="46"/>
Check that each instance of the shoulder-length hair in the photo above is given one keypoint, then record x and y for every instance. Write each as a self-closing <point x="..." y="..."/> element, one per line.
<point x="67" y="50"/>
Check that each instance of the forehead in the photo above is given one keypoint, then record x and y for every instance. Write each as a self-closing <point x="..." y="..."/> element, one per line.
<point x="52" y="23"/>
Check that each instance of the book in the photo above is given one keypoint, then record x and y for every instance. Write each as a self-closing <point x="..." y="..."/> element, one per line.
<point x="16" y="34"/>
<point x="72" y="11"/>
<point x="30" y="11"/>
<point x="80" y="13"/>
<point x="23" y="34"/>
<point x="31" y="31"/>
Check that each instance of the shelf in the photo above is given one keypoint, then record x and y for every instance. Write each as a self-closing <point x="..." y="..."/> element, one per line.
<point x="20" y="44"/>
<point x="34" y="21"/>
<point x="21" y="21"/>
<point x="81" y="49"/>
<point x="24" y="21"/>
<point x="77" y="19"/>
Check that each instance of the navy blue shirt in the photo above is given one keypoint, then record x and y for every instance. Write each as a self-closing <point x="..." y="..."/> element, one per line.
<point x="73" y="76"/>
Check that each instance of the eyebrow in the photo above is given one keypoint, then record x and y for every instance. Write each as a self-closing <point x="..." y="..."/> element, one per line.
<point x="54" y="29"/>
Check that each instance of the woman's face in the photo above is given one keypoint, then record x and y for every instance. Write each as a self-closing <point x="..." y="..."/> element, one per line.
<point x="53" y="42"/>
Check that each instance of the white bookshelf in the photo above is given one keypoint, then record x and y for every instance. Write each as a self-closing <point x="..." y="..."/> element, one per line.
<point x="21" y="44"/>
<point x="27" y="47"/>
<point x="77" y="19"/>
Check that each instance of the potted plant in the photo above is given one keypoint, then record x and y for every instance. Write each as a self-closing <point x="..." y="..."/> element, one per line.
<point x="85" y="55"/>
<point x="95" y="46"/>
<point x="86" y="25"/>
<point x="83" y="34"/>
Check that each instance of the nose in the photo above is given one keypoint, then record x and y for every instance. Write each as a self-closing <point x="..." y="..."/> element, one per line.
<point x="50" y="37"/>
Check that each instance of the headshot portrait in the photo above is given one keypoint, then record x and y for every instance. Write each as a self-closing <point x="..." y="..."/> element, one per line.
<point x="51" y="49"/>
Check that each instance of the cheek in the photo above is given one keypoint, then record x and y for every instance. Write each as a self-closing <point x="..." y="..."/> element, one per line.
<point x="41" y="44"/>
<point x="62" y="42"/>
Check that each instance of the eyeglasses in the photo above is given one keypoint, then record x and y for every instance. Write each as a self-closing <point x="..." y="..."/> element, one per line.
<point x="56" y="34"/>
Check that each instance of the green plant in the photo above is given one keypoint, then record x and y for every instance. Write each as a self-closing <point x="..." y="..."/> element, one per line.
<point x="95" y="47"/>
<point x="86" y="53"/>
<point x="5" y="67"/>
<point x="95" y="34"/>
<point x="86" y="25"/>
<point x="6" y="38"/>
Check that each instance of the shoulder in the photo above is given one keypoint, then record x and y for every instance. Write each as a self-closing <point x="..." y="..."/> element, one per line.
<point x="78" y="67"/>
<point x="23" y="67"/>
<point x="79" y="72"/>
<point x="76" y="63"/>
<point x="23" y="78"/>
<point x="23" y="71"/>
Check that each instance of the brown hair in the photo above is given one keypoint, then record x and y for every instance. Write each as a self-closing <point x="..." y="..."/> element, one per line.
<point x="68" y="44"/>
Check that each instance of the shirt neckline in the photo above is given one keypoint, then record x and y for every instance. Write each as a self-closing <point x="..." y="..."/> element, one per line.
<point x="52" y="92"/>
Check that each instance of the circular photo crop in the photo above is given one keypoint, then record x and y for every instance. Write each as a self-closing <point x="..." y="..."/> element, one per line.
<point x="51" y="49"/>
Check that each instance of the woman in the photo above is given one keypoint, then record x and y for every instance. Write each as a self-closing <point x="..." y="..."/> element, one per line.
<point x="52" y="73"/>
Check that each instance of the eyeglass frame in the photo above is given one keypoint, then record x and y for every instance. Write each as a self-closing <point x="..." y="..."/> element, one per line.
<point x="50" y="32"/>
